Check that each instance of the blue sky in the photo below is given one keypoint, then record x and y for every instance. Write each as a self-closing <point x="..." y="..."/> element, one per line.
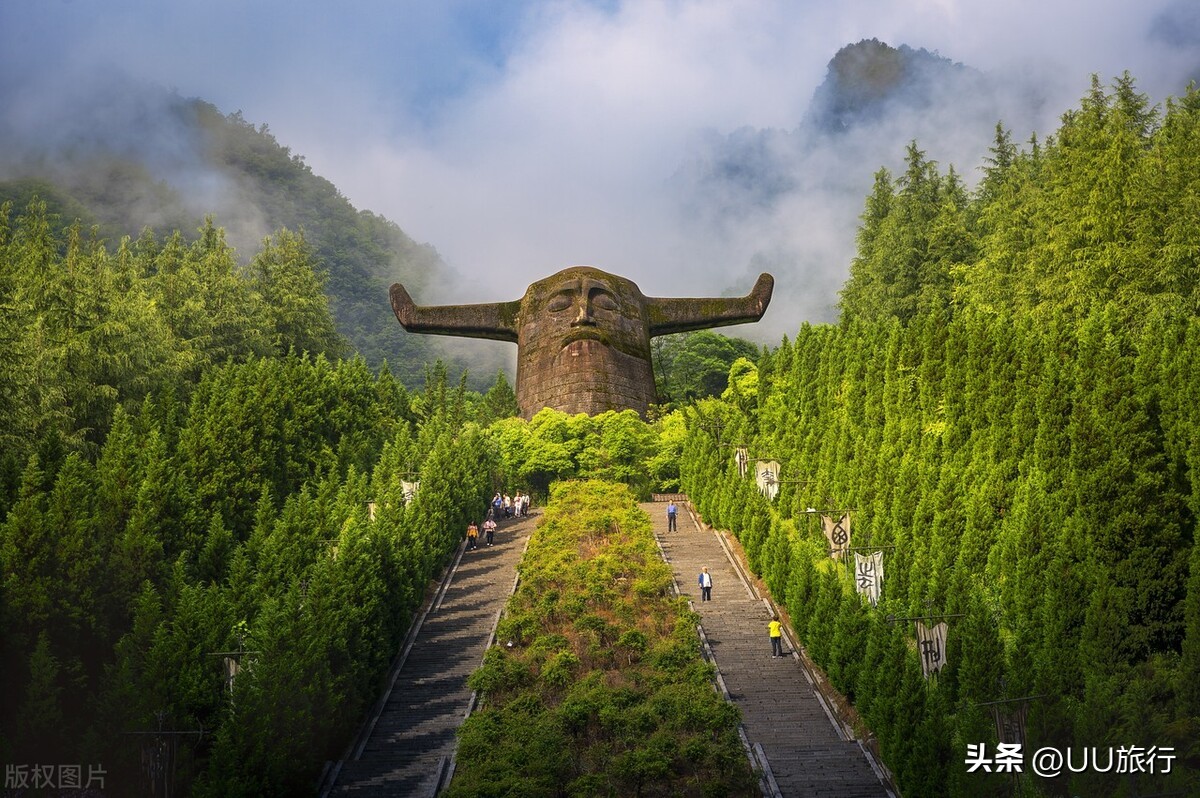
<point x="522" y="137"/>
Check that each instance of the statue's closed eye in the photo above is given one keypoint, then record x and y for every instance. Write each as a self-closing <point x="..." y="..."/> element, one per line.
<point x="559" y="302"/>
<point x="604" y="301"/>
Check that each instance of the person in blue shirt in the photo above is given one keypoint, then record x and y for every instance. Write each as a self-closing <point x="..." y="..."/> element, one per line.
<point x="671" y="510"/>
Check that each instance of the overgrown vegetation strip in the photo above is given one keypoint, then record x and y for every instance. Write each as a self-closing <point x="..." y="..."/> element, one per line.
<point x="597" y="685"/>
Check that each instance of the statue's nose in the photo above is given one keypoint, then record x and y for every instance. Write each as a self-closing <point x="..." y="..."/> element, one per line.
<point x="584" y="317"/>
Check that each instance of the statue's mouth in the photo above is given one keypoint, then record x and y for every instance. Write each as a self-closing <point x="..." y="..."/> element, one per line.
<point x="584" y="334"/>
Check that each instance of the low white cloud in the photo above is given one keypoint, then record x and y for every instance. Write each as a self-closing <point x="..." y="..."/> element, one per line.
<point x="551" y="133"/>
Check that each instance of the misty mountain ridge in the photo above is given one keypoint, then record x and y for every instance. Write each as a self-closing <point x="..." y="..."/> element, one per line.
<point x="137" y="156"/>
<point x="868" y="87"/>
<point x="129" y="156"/>
<point x="869" y="79"/>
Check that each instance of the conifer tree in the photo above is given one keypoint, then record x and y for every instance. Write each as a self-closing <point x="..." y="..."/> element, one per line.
<point x="283" y="273"/>
<point x="499" y="402"/>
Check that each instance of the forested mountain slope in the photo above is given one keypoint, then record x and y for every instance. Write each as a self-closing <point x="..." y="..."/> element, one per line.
<point x="155" y="160"/>
<point x="1009" y="410"/>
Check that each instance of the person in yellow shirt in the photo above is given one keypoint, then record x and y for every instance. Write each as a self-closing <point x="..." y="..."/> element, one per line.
<point x="775" y="629"/>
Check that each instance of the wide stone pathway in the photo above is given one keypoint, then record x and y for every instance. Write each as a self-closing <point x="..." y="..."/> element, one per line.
<point x="802" y="748"/>
<point x="406" y="747"/>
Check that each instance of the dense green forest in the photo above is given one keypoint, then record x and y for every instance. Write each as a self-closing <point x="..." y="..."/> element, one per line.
<point x="187" y="150"/>
<point x="195" y="462"/>
<point x="188" y="464"/>
<point x="1010" y="411"/>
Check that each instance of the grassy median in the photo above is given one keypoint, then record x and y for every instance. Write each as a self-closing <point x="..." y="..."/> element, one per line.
<point x="596" y="685"/>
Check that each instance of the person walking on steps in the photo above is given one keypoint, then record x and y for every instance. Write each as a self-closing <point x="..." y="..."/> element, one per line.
<point x="472" y="535"/>
<point x="705" y="580"/>
<point x="671" y="510"/>
<point x="489" y="529"/>
<point x="775" y="629"/>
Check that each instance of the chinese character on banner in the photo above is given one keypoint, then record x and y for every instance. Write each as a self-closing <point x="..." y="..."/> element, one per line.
<point x="741" y="456"/>
<point x="838" y="534"/>
<point x="767" y="477"/>
<point x="868" y="575"/>
<point x="931" y="645"/>
<point x="410" y="490"/>
<point x="1010" y="725"/>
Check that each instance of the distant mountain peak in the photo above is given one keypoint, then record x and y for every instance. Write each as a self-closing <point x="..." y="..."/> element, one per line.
<point x="868" y="79"/>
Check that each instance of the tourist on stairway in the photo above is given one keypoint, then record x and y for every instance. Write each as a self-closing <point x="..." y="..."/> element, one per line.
<point x="775" y="629"/>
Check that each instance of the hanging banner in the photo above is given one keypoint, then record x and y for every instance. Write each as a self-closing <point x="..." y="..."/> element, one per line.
<point x="767" y="477"/>
<point x="838" y="534"/>
<point x="410" y="490"/>
<point x="931" y="645"/>
<point x="741" y="456"/>
<point x="232" y="669"/>
<point x="1010" y="723"/>
<point x="868" y="575"/>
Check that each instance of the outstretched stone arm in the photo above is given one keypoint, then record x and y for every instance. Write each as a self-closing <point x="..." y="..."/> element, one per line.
<point x="495" y="320"/>
<point x="668" y="315"/>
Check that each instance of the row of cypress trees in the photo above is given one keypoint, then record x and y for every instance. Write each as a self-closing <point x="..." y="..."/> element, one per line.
<point x="267" y="517"/>
<point x="1010" y="410"/>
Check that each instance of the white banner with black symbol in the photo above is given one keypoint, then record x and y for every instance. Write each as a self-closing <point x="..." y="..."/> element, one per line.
<point x="767" y="476"/>
<point x="1010" y="723"/>
<point x="868" y="575"/>
<point x="931" y="645"/>
<point x="837" y="533"/>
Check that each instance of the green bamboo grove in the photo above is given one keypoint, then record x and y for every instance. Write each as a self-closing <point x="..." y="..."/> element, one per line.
<point x="1010" y="411"/>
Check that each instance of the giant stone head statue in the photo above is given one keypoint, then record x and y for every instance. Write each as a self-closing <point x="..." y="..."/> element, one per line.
<point x="582" y="335"/>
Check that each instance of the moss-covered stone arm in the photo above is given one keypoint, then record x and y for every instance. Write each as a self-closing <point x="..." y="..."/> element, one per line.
<point x="494" y="320"/>
<point x="669" y="315"/>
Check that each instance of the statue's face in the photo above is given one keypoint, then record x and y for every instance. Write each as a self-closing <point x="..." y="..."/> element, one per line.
<point x="584" y="304"/>
<point x="584" y="344"/>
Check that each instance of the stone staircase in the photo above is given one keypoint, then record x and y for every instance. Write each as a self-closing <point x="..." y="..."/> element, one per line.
<point x="406" y="747"/>
<point x="792" y="732"/>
